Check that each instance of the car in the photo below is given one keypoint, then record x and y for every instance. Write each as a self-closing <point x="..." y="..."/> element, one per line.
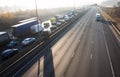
<point x="58" y="23"/>
<point x="98" y="17"/>
<point x="8" y="53"/>
<point x="71" y="14"/>
<point x="12" y="43"/>
<point x="28" y="41"/>
<point x="67" y="18"/>
<point x="60" y="18"/>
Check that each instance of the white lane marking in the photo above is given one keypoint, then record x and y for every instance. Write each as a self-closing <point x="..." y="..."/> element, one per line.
<point x="108" y="53"/>
<point x="91" y="56"/>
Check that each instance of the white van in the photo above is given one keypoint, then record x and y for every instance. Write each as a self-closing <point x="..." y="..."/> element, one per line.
<point x="98" y="17"/>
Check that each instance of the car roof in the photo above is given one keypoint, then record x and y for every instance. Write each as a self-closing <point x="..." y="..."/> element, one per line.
<point x="29" y="38"/>
<point x="7" y="51"/>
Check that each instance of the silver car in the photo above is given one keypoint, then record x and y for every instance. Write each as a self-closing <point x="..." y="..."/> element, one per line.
<point x="28" y="41"/>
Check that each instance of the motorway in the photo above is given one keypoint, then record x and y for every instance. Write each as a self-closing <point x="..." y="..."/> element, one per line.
<point x="88" y="49"/>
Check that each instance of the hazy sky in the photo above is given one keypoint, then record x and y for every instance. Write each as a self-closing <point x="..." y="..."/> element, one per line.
<point x="30" y="4"/>
<point x="110" y="3"/>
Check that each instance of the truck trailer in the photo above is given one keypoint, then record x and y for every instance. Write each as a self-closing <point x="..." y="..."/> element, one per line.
<point x="24" y="29"/>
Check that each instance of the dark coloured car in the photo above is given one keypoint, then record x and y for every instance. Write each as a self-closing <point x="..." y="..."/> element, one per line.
<point x="9" y="53"/>
<point x="12" y="44"/>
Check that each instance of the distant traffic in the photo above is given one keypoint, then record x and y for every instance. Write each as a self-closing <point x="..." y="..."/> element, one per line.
<point x="23" y="32"/>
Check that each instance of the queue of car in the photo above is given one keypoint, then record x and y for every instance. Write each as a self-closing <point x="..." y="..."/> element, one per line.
<point x="48" y="25"/>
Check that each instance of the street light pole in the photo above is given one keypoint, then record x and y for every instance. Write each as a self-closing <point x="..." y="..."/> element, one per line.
<point x="74" y="5"/>
<point x="36" y="9"/>
<point x="38" y="33"/>
<point x="37" y="14"/>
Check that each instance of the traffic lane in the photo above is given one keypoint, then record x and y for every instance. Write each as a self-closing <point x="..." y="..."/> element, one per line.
<point x="68" y="35"/>
<point x="114" y="49"/>
<point x="81" y="58"/>
<point x="48" y="49"/>
<point x="64" y="63"/>
<point x="101" y="64"/>
<point x="93" y="60"/>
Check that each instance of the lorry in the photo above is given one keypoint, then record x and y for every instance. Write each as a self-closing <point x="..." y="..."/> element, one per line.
<point x="26" y="28"/>
<point x="4" y="38"/>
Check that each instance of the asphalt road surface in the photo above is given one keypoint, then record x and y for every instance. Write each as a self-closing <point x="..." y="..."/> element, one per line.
<point x="88" y="49"/>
